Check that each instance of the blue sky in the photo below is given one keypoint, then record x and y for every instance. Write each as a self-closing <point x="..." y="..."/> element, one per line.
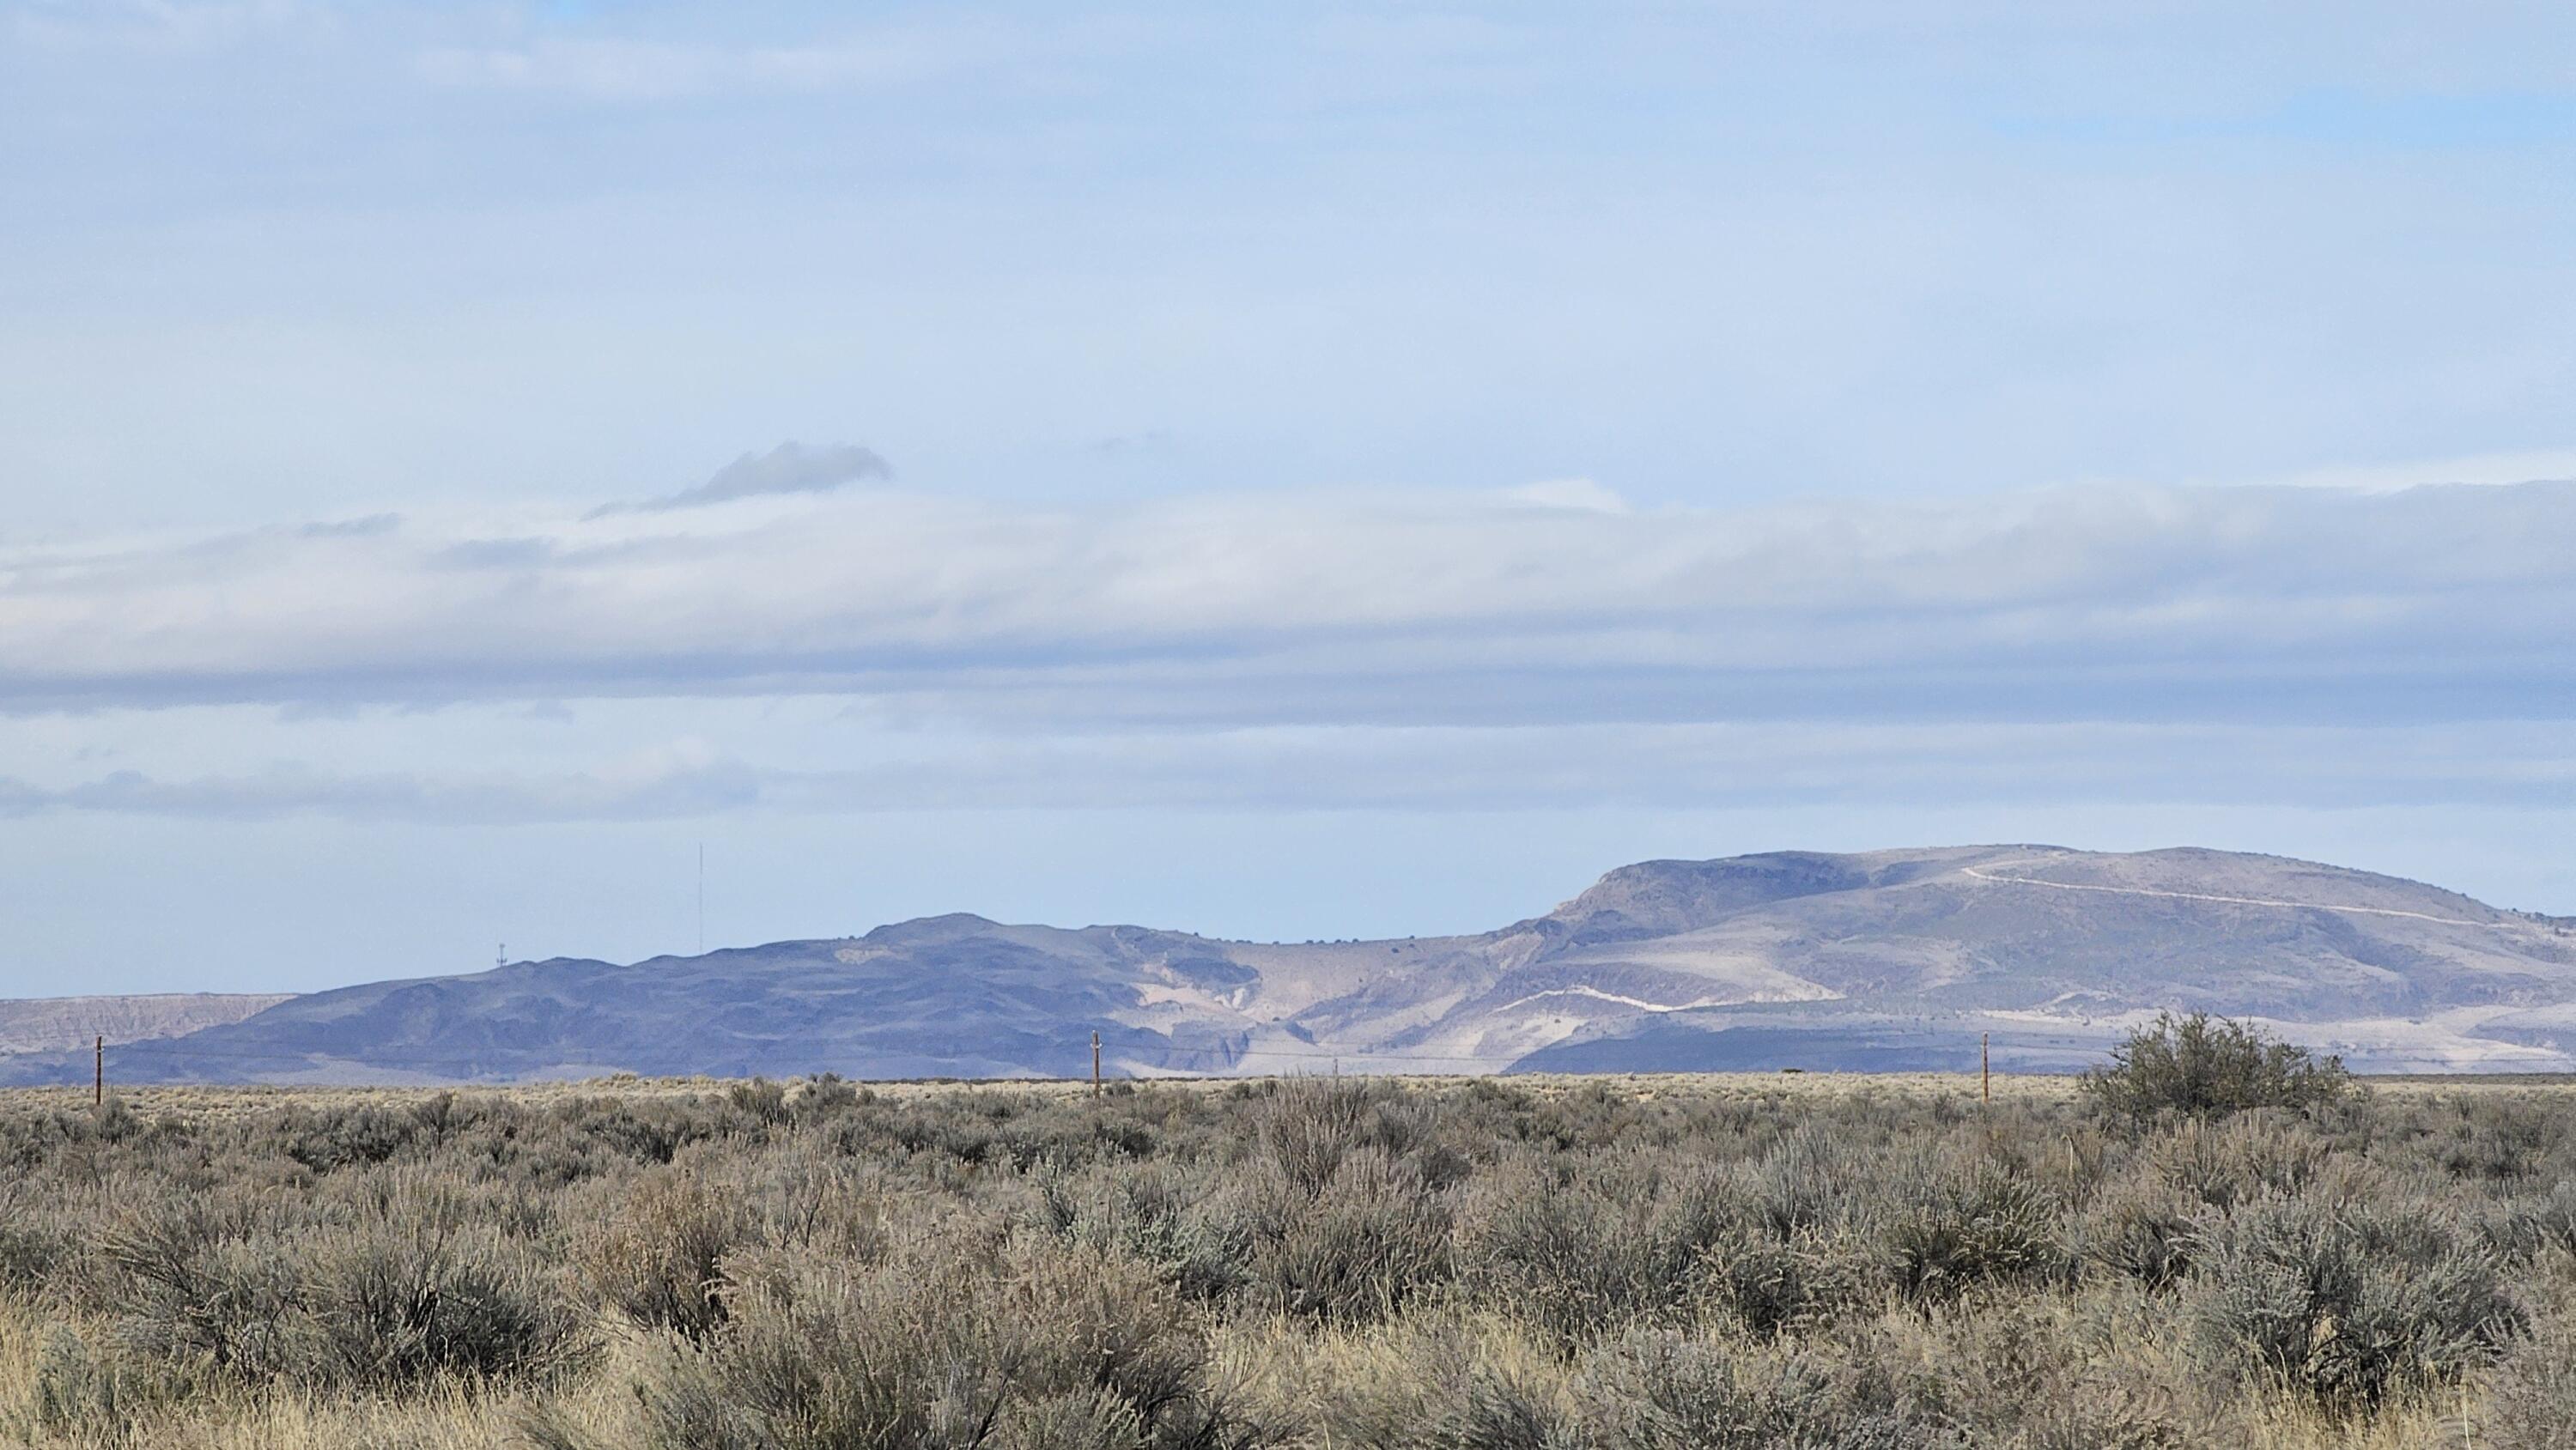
<point x="1275" y="471"/>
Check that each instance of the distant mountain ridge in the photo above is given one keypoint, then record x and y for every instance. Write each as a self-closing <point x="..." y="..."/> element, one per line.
<point x="1880" y="960"/>
<point x="39" y="1024"/>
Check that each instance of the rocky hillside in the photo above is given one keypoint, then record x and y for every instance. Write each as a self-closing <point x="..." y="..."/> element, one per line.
<point x="1890" y="959"/>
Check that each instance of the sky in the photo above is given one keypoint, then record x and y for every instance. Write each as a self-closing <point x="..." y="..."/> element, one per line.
<point x="1282" y="472"/>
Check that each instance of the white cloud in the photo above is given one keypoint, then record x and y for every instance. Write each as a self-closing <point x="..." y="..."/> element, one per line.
<point x="2095" y="603"/>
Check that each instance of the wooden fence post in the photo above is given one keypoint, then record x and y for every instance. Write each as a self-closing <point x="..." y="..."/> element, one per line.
<point x="98" y="1073"/>
<point x="1095" y="1063"/>
<point x="1986" y="1068"/>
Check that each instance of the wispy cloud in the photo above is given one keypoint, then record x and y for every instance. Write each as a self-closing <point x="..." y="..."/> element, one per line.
<point x="684" y="780"/>
<point x="1442" y="768"/>
<point x="2136" y="604"/>
<point x="789" y="468"/>
<point x="357" y="528"/>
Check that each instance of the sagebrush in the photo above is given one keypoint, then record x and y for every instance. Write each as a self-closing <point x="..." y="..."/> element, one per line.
<point x="2203" y="1065"/>
<point x="1749" y="1263"/>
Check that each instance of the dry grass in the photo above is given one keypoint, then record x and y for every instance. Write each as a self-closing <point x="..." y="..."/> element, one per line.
<point x="1742" y="1262"/>
<point x="223" y="1101"/>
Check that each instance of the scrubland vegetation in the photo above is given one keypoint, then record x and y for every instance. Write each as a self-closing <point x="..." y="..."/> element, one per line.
<point x="1750" y="1264"/>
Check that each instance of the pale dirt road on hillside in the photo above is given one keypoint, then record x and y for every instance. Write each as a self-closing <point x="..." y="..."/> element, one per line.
<point x="1984" y="875"/>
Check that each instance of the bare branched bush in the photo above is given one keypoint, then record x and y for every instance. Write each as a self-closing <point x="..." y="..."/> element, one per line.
<point x="763" y="1100"/>
<point x="1307" y="1124"/>
<point x="660" y="1260"/>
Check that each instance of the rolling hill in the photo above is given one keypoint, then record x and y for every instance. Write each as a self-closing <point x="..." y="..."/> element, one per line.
<point x="1883" y="960"/>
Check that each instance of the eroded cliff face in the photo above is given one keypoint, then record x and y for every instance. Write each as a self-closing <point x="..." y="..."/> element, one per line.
<point x="49" y="1024"/>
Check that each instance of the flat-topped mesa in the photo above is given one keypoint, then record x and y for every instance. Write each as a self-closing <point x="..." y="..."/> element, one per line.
<point x="931" y="930"/>
<point x="1659" y="898"/>
<point x="41" y="1024"/>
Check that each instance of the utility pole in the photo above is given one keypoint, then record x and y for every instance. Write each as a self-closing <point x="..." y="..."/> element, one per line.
<point x="98" y="1073"/>
<point x="1095" y="1062"/>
